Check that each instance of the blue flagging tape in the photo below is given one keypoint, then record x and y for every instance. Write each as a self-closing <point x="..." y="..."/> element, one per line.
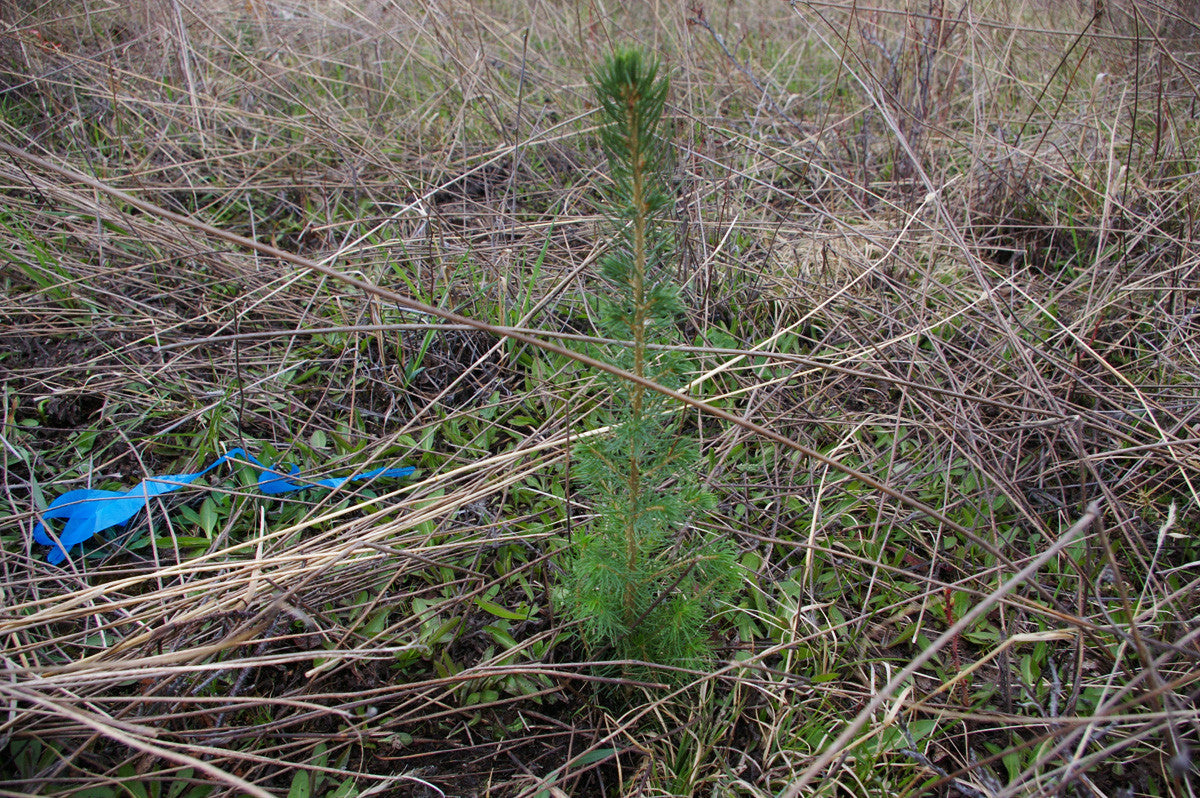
<point x="88" y="512"/>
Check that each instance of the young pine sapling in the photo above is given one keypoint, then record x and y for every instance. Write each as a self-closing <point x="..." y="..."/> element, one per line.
<point x="640" y="584"/>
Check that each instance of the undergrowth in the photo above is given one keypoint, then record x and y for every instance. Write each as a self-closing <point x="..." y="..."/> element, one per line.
<point x="944" y="256"/>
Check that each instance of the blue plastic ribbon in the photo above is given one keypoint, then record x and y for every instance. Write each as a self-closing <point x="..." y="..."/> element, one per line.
<point x="90" y="511"/>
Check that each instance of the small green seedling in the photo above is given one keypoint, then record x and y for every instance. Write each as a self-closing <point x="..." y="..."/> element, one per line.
<point x="640" y="582"/>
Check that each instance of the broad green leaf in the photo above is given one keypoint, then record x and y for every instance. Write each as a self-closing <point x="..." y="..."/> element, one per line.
<point x="347" y="789"/>
<point x="501" y="612"/>
<point x="208" y="516"/>
<point x="300" y="785"/>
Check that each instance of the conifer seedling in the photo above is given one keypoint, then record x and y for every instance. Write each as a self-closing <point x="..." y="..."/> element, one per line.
<point x="642" y="583"/>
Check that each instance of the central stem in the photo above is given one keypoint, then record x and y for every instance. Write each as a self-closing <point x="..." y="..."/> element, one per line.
<point x="636" y="407"/>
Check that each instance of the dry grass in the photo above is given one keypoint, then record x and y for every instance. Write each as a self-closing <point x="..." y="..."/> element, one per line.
<point x="942" y="271"/>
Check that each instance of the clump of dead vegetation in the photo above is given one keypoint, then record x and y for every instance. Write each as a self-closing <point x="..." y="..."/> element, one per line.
<point x="944" y="254"/>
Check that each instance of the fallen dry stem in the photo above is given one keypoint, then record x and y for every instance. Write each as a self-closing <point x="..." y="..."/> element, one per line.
<point x="839" y="746"/>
